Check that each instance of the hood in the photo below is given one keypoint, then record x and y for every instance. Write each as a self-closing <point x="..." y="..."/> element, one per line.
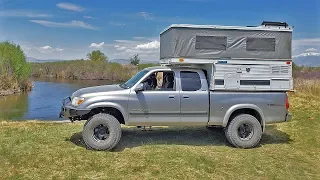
<point x="95" y="89"/>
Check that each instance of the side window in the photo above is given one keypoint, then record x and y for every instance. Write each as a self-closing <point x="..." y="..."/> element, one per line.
<point x="211" y="42"/>
<point x="260" y="44"/>
<point x="160" y="81"/>
<point x="190" y="81"/>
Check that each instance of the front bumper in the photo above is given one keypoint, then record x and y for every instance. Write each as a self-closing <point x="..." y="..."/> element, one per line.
<point x="68" y="111"/>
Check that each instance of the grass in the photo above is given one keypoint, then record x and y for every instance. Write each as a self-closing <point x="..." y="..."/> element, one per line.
<point x="308" y="86"/>
<point x="43" y="150"/>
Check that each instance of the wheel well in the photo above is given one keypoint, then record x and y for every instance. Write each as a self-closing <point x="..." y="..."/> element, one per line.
<point x="252" y="112"/>
<point x="108" y="110"/>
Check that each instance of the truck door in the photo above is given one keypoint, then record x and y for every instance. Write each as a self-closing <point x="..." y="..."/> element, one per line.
<point x="158" y="105"/>
<point x="194" y="97"/>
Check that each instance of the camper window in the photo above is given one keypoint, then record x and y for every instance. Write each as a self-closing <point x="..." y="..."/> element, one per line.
<point x="260" y="44"/>
<point x="211" y="42"/>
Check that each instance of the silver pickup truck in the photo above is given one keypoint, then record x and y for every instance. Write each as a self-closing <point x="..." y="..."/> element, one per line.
<point x="173" y="96"/>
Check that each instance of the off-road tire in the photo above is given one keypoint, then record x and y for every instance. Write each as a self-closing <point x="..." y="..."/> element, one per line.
<point x="232" y="134"/>
<point x="108" y="121"/>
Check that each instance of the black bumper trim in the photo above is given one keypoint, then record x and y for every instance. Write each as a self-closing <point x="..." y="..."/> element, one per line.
<point x="69" y="111"/>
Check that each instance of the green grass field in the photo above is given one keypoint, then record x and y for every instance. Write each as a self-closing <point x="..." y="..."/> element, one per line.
<point x="44" y="150"/>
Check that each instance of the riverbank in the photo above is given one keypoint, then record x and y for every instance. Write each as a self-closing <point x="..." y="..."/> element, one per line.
<point x="86" y="70"/>
<point x="9" y="86"/>
<point x="46" y="150"/>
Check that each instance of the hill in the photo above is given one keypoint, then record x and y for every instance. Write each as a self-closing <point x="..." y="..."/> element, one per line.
<point x="307" y="59"/>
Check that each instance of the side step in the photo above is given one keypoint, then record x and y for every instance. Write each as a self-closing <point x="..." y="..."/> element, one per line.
<point x="144" y="128"/>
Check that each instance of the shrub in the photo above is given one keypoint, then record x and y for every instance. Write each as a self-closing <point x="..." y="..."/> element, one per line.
<point x="135" y="60"/>
<point x="14" y="69"/>
<point x="97" y="56"/>
<point x="84" y="69"/>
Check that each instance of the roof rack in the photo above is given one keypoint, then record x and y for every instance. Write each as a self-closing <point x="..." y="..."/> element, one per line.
<point x="271" y="23"/>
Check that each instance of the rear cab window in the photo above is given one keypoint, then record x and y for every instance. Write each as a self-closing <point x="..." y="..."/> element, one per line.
<point x="190" y="81"/>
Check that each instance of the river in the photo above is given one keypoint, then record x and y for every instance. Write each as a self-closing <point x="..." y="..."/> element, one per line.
<point x="44" y="101"/>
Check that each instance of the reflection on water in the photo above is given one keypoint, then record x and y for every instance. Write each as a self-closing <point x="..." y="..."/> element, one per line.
<point x="13" y="107"/>
<point x="44" y="101"/>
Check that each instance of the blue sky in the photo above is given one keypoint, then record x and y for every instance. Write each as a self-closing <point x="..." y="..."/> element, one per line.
<point x="54" y="29"/>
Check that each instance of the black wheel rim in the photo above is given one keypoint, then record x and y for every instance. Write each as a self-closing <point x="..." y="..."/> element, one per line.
<point x="245" y="131"/>
<point x="101" y="132"/>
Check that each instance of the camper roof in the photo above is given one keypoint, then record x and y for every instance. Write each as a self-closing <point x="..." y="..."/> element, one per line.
<point x="265" y="26"/>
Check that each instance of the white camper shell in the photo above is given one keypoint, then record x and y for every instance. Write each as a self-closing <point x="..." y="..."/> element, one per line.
<point x="235" y="57"/>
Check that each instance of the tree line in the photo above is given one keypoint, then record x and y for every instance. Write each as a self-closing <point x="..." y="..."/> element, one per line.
<point x="98" y="56"/>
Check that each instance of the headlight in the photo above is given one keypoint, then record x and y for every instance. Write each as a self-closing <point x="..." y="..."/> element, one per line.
<point x="76" y="101"/>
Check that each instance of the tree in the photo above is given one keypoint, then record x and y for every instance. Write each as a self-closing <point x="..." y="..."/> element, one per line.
<point x="13" y="61"/>
<point x="135" y="60"/>
<point x="97" y="56"/>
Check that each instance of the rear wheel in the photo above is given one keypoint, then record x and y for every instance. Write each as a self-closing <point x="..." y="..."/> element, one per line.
<point x="244" y="131"/>
<point x="101" y="132"/>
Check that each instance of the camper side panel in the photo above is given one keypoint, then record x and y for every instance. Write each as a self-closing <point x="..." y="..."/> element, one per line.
<point x="266" y="77"/>
<point x="225" y="43"/>
<point x="166" y="40"/>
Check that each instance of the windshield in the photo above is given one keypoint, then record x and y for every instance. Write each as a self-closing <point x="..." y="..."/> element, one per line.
<point x="131" y="82"/>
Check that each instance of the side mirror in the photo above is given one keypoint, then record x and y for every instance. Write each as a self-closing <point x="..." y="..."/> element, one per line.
<point x="140" y="87"/>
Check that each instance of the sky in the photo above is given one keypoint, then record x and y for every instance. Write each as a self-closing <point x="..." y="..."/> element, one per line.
<point x="70" y="29"/>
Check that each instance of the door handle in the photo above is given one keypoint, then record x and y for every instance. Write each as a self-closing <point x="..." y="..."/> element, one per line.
<point x="171" y="96"/>
<point x="185" y="97"/>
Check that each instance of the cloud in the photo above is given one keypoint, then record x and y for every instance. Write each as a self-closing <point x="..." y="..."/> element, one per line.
<point x="120" y="48"/>
<point x="145" y="15"/>
<point x="126" y="41"/>
<point x="116" y="23"/>
<point x="307" y="54"/>
<point x="311" y="50"/>
<point x="70" y="7"/>
<point x="150" y="45"/>
<point x="147" y="48"/>
<point x="23" y="13"/>
<point x="48" y="49"/>
<point x="89" y="17"/>
<point x="310" y="41"/>
<point x="72" y="24"/>
<point x="138" y="37"/>
<point x="300" y="46"/>
<point x="95" y="45"/>
<point x="157" y="18"/>
<point x="59" y="49"/>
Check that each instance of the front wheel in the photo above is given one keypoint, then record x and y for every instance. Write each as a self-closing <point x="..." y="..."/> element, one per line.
<point x="101" y="132"/>
<point x="244" y="131"/>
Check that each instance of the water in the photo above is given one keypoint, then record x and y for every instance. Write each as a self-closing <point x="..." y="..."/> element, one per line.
<point x="44" y="101"/>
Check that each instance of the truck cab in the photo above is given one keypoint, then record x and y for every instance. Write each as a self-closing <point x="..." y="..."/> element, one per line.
<point x="175" y="96"/>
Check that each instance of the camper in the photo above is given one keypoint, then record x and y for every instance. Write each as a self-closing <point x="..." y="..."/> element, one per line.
<point x="236" y="58"/>
<point x="213" y="76"/>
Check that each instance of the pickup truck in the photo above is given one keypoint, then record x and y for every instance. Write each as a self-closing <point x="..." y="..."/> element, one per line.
<point x="173" y="96"/>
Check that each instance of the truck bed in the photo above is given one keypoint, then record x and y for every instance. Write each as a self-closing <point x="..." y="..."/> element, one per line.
<point x="272" y="105"/>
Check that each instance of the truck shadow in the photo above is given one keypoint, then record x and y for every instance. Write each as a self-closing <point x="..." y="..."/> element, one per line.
<point x="194" y="136"/>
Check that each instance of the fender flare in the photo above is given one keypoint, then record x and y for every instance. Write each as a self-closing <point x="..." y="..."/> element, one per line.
<point x="233" y="108"/>
<point x="110" y="105"/>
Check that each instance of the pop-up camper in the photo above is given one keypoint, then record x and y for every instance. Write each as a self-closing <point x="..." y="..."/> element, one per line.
<point x="235" y="57"/>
